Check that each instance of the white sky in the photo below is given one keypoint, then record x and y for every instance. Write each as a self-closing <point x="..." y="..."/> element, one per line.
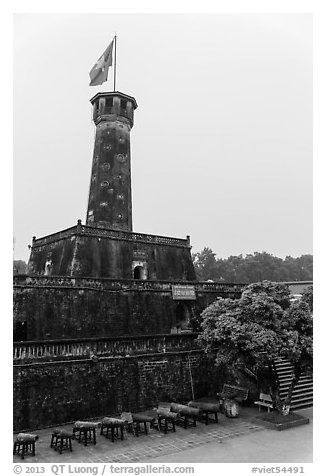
<point x="222" y="141"/>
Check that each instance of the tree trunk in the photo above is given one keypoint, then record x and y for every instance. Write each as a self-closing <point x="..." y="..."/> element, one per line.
<point x="295" y="378"/>
<point x="274" y="387"/>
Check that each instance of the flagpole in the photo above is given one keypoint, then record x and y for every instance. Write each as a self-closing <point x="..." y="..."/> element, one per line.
<point x="115" y="60"/>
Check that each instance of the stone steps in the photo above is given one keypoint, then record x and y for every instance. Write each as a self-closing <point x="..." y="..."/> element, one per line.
<point x="302" y="396"/>
<point x="301" y="385"/>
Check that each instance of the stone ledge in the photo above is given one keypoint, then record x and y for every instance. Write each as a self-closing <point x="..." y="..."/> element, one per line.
<point x="278" y="422"/>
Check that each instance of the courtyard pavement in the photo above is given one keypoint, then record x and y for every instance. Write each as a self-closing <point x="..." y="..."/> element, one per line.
<point x="238" y="440"/>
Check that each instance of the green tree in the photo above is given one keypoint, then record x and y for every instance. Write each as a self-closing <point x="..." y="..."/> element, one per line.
<point x="255" y="330"/>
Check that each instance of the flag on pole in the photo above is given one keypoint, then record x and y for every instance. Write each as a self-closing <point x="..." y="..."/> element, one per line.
<point x="99" y="73"/>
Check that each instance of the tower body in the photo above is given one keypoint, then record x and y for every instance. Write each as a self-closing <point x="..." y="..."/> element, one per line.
<point x="110" y="201"/>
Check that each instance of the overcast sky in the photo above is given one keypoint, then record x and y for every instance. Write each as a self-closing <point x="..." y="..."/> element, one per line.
<point x="222" y="141"/>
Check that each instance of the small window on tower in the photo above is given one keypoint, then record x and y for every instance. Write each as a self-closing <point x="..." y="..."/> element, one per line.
<point x="96" y="108"/>
<point x="123" y="104"/>
<point x="108" y="105"/>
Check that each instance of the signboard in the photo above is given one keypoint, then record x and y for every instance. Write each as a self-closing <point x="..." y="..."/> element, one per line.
<point x="138" y="254"/>
<point x="183" y="292"/>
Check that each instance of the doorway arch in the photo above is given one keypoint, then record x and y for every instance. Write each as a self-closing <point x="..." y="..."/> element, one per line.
<point x="182" y="317"/>
<point x="139" y="272"/>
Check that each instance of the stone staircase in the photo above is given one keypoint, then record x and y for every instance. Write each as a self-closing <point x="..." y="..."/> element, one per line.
<point x="302" y="396"/>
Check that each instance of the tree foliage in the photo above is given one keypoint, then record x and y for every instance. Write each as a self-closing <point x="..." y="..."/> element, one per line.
<point x="255" y="330"/>
<point x="19" y="267"/>
<point x="307" y="296"/>
<point x="251" y="268"/>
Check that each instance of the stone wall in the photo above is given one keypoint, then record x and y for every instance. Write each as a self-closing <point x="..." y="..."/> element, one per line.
<point x="69" y="313"/>
<point x="69" y="308"/>
<point x="104" y="253"/>
<point x="51" y="393"/>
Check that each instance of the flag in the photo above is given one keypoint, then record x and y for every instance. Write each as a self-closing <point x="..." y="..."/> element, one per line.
<point x="99" y="73"/>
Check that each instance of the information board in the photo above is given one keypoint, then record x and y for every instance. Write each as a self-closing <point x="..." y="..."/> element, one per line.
<point x="183" y="292"/>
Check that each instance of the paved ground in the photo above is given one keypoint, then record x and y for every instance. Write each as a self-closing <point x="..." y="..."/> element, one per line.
<point x="269" y="446"/>
<point x="240" y="440"/>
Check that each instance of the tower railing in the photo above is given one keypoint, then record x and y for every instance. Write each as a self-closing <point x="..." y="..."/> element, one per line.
<point x="113" y="234"/>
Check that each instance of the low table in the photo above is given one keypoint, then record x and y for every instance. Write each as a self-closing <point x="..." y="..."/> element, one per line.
<point x="112" y="425"/>
<point x="186" y="414"/>
<point x="85" y="432"/>
<point x="144" y="418"/>
<point x="207" y="409"/>
<point x="61" y="440"/>
<point x="25" y="444"/>
<point x="166" y="419"/>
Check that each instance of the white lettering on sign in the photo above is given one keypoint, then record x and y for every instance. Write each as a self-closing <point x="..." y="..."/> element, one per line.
<point x="183" y="292"/>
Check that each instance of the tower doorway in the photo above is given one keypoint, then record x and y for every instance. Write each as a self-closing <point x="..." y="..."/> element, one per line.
<point x="180" y="313"/>
<point x="182" y="319"/>
<point x="20" y="331"/>
<point x="139" y="272"/>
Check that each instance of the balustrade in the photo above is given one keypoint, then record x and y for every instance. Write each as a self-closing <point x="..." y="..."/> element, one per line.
<point x="54" y="237"/>
<point x="102" y="347"/>
<point x="127" y="235"/>
<point x="115" y="234"/>
<point x="122" y="284"/>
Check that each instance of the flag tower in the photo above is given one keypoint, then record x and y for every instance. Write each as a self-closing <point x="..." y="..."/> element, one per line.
<point x="106" y="246"/>
<point x="109" y="203"/>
